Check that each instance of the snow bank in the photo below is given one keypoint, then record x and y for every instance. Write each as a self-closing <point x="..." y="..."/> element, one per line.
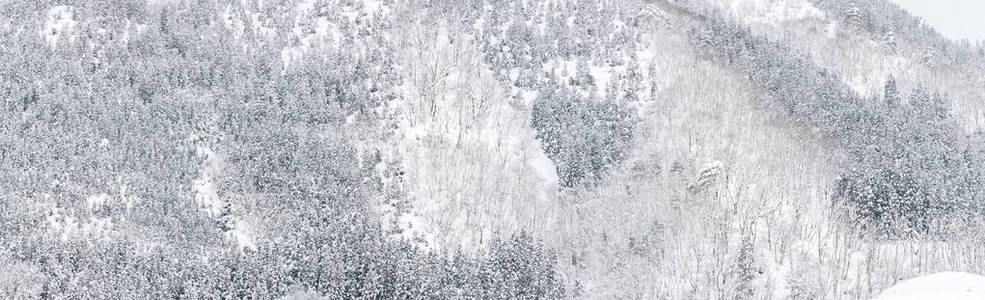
<point x="940" y="286"/>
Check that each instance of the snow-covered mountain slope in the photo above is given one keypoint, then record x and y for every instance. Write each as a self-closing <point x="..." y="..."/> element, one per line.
<point x="709" y="170"/>
<point x="747" y="149"/>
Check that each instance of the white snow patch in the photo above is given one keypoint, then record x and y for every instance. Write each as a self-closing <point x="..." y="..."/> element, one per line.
<point x="602" y="76"/>
<point x="940" y="286"/>
<point x="546" y="170"/>
<point x="243" y="235"/>
<point x="60" y="23"/>
<point x="832" y="30"/>
<point x="96" y="202"/>
<point x="205" y="192"/>
<point x="138" y="28"/>
<point x="528" y="97"/>
<point x="373" y="6"/>
<point x="69" y="227"/>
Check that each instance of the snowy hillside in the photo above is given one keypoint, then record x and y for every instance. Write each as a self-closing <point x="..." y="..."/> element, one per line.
<point x="342" y="149"/>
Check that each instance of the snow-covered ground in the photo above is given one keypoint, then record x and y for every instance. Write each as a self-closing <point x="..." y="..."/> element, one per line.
<point x="939" y="286"/>
<point x="59" y="24"/>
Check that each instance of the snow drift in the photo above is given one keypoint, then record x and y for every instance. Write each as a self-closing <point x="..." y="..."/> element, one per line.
<point x="941" y="286"/>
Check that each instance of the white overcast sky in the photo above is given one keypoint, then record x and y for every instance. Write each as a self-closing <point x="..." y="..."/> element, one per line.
<point x="956" y="19"/>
